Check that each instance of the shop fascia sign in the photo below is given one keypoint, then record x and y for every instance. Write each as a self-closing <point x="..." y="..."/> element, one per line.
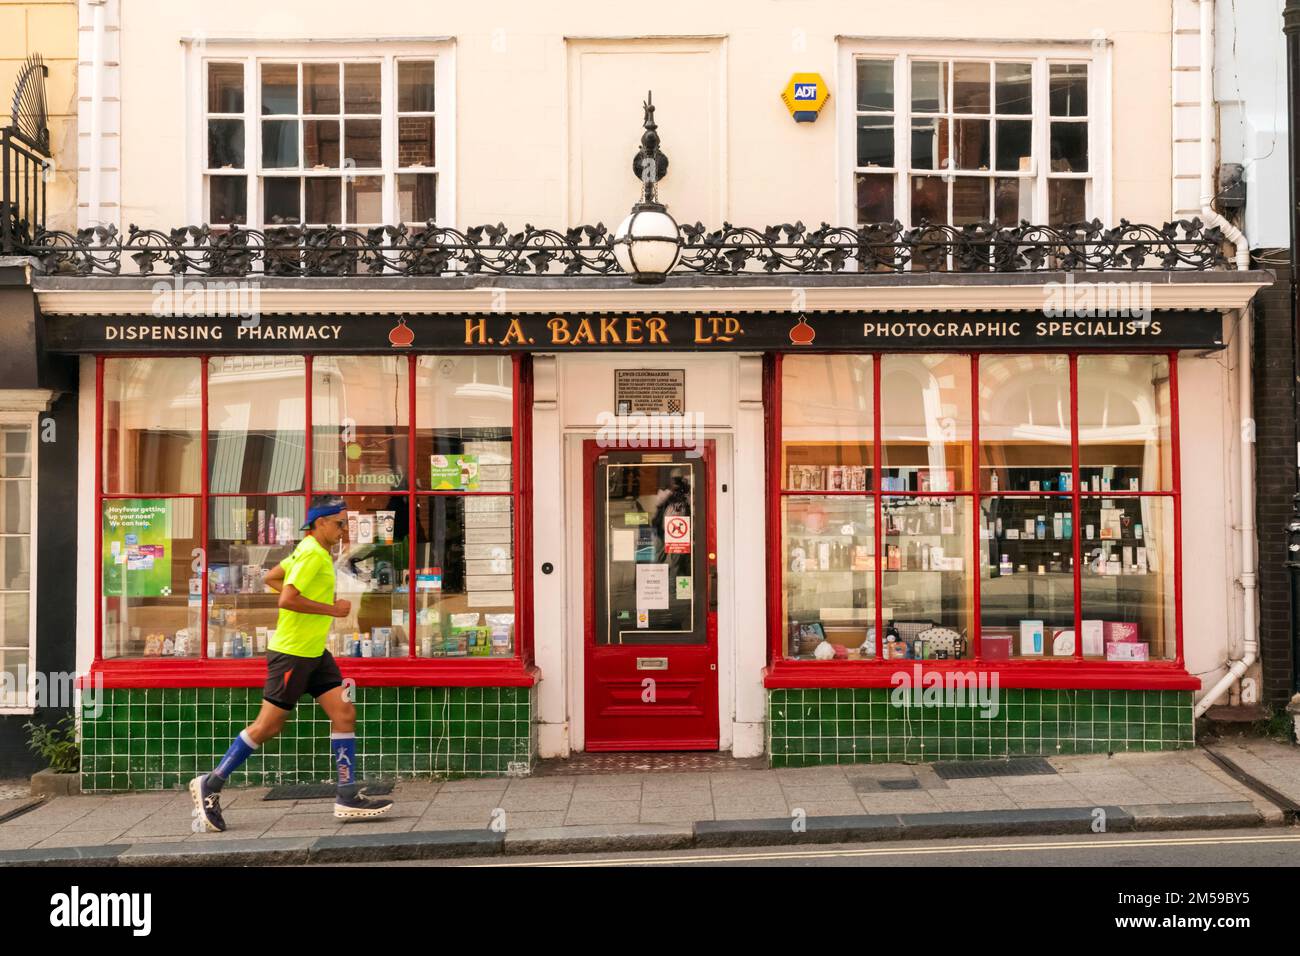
<point x="840" y="331"/>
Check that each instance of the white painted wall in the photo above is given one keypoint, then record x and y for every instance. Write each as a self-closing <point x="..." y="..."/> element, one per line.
<point x="540" y="89"/>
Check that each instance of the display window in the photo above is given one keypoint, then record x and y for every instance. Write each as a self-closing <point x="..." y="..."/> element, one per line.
<point x="1025" y="510"/>
<point x="204" y="483"/>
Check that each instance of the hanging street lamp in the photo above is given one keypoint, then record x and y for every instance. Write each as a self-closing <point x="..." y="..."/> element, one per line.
<point x="646" y="243"/>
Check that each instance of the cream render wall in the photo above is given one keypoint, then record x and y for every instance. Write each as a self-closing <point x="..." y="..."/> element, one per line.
<point x="515" y="112"/>
<point x="47" y="27"/>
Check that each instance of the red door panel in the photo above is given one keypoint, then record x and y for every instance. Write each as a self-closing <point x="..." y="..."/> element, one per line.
<point x="651" y="601"/>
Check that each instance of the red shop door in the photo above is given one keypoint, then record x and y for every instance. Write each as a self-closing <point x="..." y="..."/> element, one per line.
<point x="652" y="622"/>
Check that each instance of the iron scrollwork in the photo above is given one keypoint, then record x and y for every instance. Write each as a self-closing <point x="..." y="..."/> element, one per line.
<point x="787" y="249"/>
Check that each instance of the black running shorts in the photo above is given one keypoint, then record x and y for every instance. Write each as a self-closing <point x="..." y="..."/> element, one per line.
<point x="289" y="677"/>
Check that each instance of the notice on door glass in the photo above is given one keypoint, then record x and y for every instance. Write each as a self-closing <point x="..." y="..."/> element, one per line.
<point x="652" y="587"/>
<point x="677" y="535"/>
<point x="622" y="544"/>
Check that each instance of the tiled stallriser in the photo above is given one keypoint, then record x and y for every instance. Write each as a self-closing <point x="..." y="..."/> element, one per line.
<point x="160" y="739"/>
<point x="810" y="727"/>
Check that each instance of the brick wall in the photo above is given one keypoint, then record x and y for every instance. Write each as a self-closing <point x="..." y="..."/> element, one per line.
<point x="1275" y="472"/>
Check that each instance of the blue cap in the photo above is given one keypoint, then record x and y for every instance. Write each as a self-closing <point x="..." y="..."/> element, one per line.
<point x="323" y="508"/>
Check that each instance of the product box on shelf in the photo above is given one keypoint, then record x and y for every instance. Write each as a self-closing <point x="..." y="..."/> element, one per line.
<point x="1093" y="638"/>
<point x="995" y="644"/>
<point x="1126" y="651"/>
<point x="1031" y="638"/>
<point x="1121" y="632"/>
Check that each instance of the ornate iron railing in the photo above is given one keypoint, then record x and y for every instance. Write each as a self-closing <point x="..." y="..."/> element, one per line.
<point x="588" y="250"/>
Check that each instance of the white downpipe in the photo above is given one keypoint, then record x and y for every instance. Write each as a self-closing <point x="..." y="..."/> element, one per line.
<point x="1250" y="639"/>
<point x="1246" y="525"/>
<point x="96" y="114"/>
<point x="1212" y="218"/>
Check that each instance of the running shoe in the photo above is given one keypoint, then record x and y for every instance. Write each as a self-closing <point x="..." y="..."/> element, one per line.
<point x="359" y="807"/>
<point x="207" y="805"/>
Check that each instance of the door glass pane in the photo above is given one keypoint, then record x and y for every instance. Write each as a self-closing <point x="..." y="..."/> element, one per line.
<point x="1128" y="578"/>
<point x="649" y="553"/>
<point x="256" y="423"/>
<point x="1124" y="423"/>
<point x="151" y="588"/>
<point x="1026" y="577"/>
<point x="152" y="414"/>
<point x="927" y="597"/>
<point x="247" y="537"/>
<point x="464" y="413"/>
<point x="464" y="583"/>
<point x="360" y="409"/>
<point x="1025" y="423"/>
<point x="827" y="422"/>
<point x="925" y="432"/>
<point x="372" y="571"/>
<point x="829" y="574"/>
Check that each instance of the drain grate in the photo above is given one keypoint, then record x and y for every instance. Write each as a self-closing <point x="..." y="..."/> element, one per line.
<point x="909" y="784"/>
<point x="320" y="791"/>
<point x="1020" y="767"/>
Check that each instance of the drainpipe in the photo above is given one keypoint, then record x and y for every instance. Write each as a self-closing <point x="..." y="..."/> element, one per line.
<point x="96" y="109"/>
<point x="1208" y="165"/>
<point x="1250" y="624"/>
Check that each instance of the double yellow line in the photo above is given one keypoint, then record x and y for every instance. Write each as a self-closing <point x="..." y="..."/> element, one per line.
<point x="895" y="849"/>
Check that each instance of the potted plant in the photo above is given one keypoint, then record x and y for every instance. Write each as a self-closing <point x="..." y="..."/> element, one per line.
<point x="57" y="745"/>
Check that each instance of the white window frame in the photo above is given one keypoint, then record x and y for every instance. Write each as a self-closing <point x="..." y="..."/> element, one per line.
<point x="32" y="421"/>
<point x="253" y="53"/>
<point x="1096" y="54"/>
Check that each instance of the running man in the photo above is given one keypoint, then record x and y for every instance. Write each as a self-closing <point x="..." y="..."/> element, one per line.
<point x="296" y="664"/>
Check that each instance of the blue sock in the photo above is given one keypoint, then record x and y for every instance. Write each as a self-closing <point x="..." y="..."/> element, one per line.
<point x="240" y="750"/>
<point x="345" y="758"/>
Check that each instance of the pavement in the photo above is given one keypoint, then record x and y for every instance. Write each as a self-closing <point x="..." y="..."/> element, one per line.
<point x="1241" y="783"/>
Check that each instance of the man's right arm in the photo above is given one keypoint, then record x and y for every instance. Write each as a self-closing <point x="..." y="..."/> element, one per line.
<point x="292" y="600"/>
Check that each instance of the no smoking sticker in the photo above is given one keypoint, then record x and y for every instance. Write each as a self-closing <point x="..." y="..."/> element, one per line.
<point x="677" y="535"/>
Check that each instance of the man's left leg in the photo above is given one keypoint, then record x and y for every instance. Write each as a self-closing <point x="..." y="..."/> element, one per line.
<point x="348" y="803"/>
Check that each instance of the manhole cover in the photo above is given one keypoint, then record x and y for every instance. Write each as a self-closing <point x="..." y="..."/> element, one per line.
<point x="911" y="784"/>
<point x="1020" y="767"/>
<point x="320" y="791"/>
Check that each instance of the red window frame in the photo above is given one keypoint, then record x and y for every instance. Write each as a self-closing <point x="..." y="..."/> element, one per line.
<point x="1047" y="673"/>
<point x="516" y="671"/>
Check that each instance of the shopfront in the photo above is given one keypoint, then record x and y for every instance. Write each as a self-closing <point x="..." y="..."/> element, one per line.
<point x="753" y="532"/>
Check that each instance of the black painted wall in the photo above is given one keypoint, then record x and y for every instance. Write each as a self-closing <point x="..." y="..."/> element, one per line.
<point x="56" y="575"/>
<point x="1275" y="472"/>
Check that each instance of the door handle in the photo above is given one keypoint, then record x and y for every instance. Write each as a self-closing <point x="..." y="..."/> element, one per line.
<point x="713" y="587"/>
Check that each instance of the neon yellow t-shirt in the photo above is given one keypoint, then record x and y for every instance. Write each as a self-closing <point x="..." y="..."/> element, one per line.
<point x="310" y="570"/>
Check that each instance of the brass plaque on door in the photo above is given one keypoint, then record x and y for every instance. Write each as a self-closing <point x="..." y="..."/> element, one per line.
<point x="652" y="663"/>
